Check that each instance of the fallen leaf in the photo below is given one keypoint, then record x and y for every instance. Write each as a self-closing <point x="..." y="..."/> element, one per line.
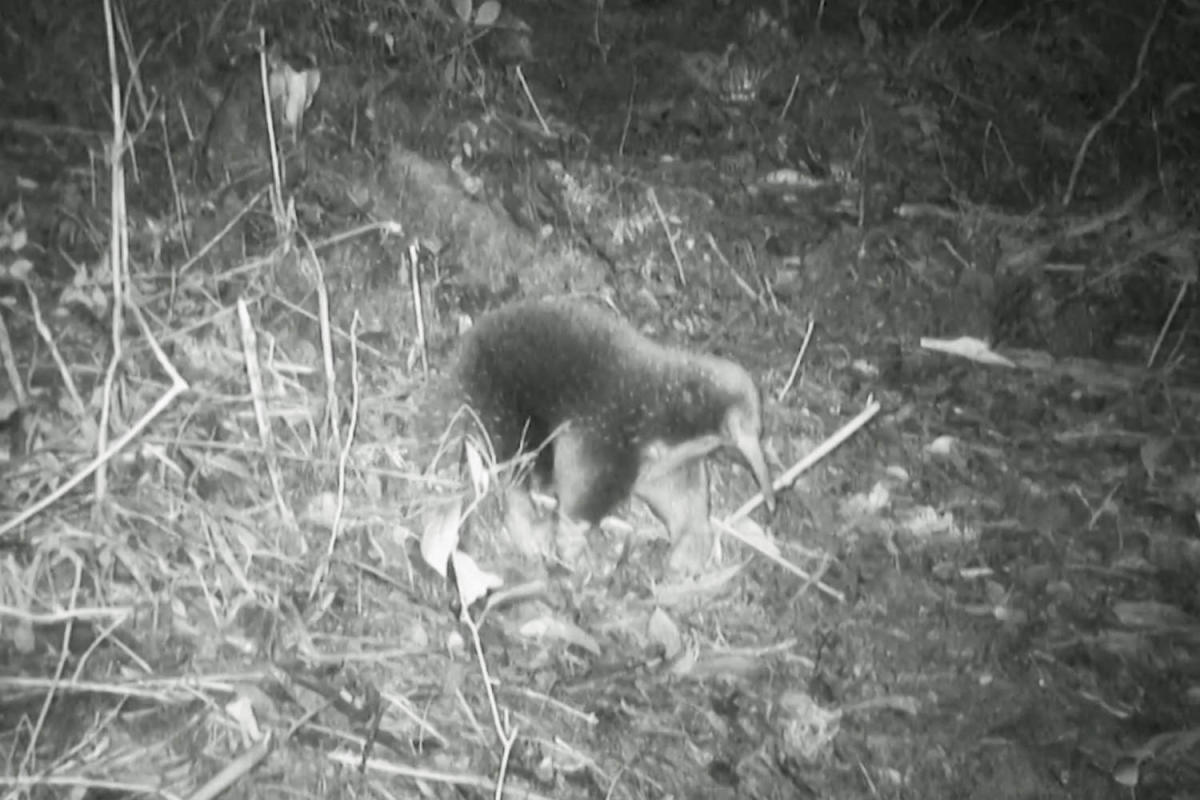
<point x="662" y="630"/>
<point x="472" y="582"/>
<point x="967" y="347"/>
<point x="440" y="537"/>
<point x="547" y="627"/>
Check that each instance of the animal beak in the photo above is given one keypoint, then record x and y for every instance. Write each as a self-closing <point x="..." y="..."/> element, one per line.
<point x="751" y="449"/>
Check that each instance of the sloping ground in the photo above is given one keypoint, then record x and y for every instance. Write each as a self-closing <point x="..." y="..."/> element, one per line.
<point x="219" y="499"/>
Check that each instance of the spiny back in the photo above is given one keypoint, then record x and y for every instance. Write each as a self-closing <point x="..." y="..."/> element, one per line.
<point x="559" y="360"/>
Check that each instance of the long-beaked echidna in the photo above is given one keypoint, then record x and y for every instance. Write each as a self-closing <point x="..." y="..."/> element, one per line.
<point x="621" y="413"/>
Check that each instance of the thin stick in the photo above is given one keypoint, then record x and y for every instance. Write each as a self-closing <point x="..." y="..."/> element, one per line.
<point x="778" y="560"/>
<point x="221" y="234"/>
<point x="234" y="770"/>
<point x="414" y="255"/>
<point x="662" y="220"/>
<point x="507" y="734"/>
<point x="386" y="225"/>
<point x="332" y="414"/>
<point x="100" y="460"/>
<point x="178" y="386"/>
<point x="1139" y="72"/>
<point x="791" y="96"/>
<point x="628" y="115"/>
<point x="118" y="243"/>
<point x="737" y="276"/>
<point x="1162" y="334"/>
<point x="133" y="60"/>
<point x="1180" y="341"/>
<point x="82" y="786"/>
<point x="796" y="364"/>
<point x="64" y="371"/>
<point x="10" y="364"/>
<point x="529" y="96"/>
<point x="277" y="208"/>
<point x="180" y="206"/>
<point x="60" y="668"/>
<point x="335" y="528"/>
<point x="603" y="48"/>
<point x="394" y="769"/>
<point x="254" y="376"/>
<point x="159" y="355"/>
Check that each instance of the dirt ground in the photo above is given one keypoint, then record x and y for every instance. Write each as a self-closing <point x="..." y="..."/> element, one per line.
<point x="961" y="236"/>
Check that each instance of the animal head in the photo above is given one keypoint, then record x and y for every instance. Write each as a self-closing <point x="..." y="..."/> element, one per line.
<point x="742" y="429"/>
<point x="739" y="406"/>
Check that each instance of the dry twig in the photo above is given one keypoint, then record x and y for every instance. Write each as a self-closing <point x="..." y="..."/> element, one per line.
<point x="1139" y="73"/>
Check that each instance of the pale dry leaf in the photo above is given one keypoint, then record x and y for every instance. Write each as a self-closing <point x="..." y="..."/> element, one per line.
<point x="320" y="510"/>
<point x="241" y="711"/>
<point x="662" y="630"/>
<point x="477" y="470"/>
<point x="548" y="627"/>
<point x="262" y="703"/>
<point x="14" y="241"/>
<point x="967" y="347"/>
<point x="158" y="453"/>
<point x="487" y="14"/>
<point x="219" y="464"/>
<point x="416" y="636"/>
<point x="531" y="536"/>
<point x="791" y="177"/>
<point x="473" y="583"/>
<point x="1153" y="452"/>
<point x="685" y="662"/>
<point x="1010" y="615"/>
<point x="293" y="90"/>
<point x="1126" y="772"/>
<point x="470" y="184"/>
<point x="736" y="666"/>
<point x="806" y="729"/>
<point x="18" y="270"/>
<point x="440" y="536"/>
<point x="871" y="503"/>
<point x="1151" y="614"/>
<point x="20" y="633"/>
<point x="865" y="368"/>
<point x="1123" y="644"/>
<point x="924" y="522"/>
<point x="942" y="446"/>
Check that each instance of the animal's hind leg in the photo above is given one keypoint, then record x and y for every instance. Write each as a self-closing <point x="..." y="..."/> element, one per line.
<point x="679" y="498"/>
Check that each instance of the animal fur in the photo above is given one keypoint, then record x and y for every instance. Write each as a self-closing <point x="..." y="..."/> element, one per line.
<point x="613" y="412"/>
